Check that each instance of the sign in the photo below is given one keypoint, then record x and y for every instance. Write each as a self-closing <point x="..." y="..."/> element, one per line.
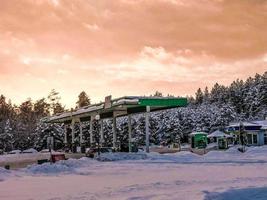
<point x="107" y="102"/>
<point x="79" y="149"/>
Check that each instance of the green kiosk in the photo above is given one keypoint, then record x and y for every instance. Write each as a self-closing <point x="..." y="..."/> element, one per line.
<point x="198" y="140"/>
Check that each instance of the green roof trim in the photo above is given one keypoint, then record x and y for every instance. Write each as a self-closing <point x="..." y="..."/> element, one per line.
<point x="164" y="102"/>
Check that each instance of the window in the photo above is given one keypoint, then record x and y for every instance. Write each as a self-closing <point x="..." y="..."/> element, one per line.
<point x="249" y="137"/>
<point x="255" y="139"/>
<point x="252" y="138"/>
<point x="265" y="138"/>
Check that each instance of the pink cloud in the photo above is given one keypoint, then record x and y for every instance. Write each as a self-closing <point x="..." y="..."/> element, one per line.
<point x="124" y="47"/>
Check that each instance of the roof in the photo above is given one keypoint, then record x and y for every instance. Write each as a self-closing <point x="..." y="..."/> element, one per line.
<point x="260" y="122"/>
<point x="218" y="133"/>
<point x="119" y="107"/>
<point x="252" y="126"/>
<point x="198" y="133"/>
<point x="244" y="123"/>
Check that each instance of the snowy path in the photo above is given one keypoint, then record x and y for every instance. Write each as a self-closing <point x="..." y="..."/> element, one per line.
<point x="87" y="179"/>
<point x="133" y="181"/>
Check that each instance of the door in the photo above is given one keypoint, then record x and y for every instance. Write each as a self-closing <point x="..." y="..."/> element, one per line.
<point x="255" y="139"/>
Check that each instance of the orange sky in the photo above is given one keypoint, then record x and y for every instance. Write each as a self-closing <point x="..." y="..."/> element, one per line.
<point x="127" y="47"/>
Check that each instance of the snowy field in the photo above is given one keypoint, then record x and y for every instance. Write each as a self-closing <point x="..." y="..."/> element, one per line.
<point x="218" y="175"/>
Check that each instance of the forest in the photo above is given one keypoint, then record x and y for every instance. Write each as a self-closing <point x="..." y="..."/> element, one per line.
<point x="21" y="126"/>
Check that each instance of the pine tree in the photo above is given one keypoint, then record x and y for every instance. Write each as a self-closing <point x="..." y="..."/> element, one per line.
<point x="236" y="96"/>
<point x="206" y="97"/>
<point x="199" y="96"/>
<point x="41" y="108"/>
<point x="158" y="94"/>
<point x="7" y="137"/>
<point x="55" y="105"/>
<point x="58" y="108"/>
<point x="83" y="100"/>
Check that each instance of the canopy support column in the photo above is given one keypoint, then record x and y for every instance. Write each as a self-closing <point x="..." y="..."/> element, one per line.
<point x="147" y="128"/>
<point x="91" y="132"/>
<point x="130" y="132"/>
<point x="73" y="137"/>
<point x="101" y="133"/>
<point x="114" y="132"/>
<point x="81" y="133"/>
<point x="81" y="138"/>
<point x="65" y="135"/>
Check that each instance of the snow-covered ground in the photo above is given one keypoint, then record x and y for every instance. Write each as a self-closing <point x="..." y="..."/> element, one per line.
<point x="218" y="175"/>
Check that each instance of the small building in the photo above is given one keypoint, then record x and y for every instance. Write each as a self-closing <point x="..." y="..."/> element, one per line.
<point x="222" y="139"/>
<point x="198" y="140"/>
<point x="219" y="134"/>
<point x="256" y="132"/>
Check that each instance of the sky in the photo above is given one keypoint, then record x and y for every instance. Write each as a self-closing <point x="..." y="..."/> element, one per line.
<point x="128" y="47"/>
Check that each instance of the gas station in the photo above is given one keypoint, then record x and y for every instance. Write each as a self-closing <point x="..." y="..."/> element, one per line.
<point x="114" y="108"/>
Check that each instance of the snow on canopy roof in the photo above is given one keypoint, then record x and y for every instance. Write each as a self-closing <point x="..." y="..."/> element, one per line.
<point x="61" y="115"/>
<point x="159" y="103"/>
<point x="218" y="133"/>
<point x="88" y="109"/>
<point x="196" y="133"/>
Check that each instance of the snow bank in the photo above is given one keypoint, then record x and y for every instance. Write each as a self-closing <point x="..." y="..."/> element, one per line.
<point x="60" y="167"/>
<point x="257" y="150"/>
<point x="121" y="156"/>
<point x="31" y="150"/>
<point x="4" y="174"/>
<point x="239" y="194"/>
<point x="232" y="155"/>
<point x="22" y="157"/>
<point x="15" y="152"/>
<point x="183" y="156"/>
<point x="48" y="168"/>
<point x="86" y="165"/>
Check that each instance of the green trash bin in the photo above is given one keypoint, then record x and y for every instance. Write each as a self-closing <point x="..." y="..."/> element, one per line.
<point x="222" y="143"/>
<point x="198" y="140"/>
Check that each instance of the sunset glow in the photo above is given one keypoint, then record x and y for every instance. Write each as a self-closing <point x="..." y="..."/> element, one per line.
<point x="128" y="47"/>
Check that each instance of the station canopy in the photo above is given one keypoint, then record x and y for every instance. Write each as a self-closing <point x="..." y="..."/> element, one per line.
<point x="123" y="106"/>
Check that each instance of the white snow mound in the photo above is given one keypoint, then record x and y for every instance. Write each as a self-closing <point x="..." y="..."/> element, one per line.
<point x="64" y="166"/>
<point x="4" y="173"/>
<point x="121" y="156"/>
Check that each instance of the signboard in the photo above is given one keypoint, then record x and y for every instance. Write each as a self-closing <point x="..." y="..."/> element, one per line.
<point x="79" y="149"/>
<point x="107" y="102"/>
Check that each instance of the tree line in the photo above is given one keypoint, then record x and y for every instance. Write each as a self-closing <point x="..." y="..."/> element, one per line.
<point x="20" y="126"/>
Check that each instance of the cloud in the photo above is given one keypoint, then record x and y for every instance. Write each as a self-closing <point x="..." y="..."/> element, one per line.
<point x="62" y="71"/>
<point x="55" y="2"/>
<point x="157" y="64"/>
<point x="124" y="47"/>
<point x="91" y="27"/>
